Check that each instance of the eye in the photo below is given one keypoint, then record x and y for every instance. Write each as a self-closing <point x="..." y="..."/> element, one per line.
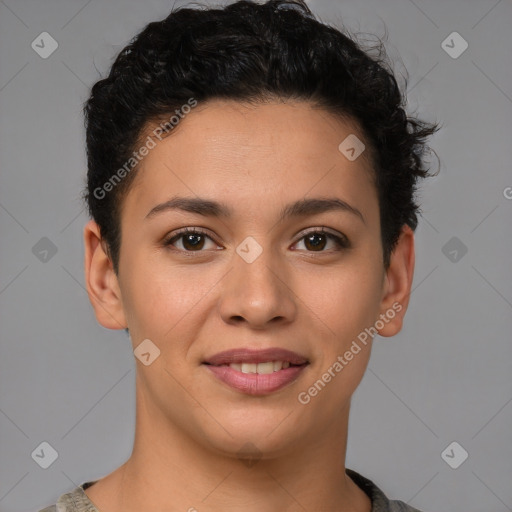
<point x="317" y="240"/>
<point x="192" y="240"/>
<point x="195" y="239"/>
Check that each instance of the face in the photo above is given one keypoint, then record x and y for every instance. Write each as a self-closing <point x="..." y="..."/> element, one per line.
<point x="281" y="261"/>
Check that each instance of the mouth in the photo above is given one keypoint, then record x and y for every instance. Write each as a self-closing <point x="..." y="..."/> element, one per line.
<point x="244" y="356"/>
<point x="264" y="368"/>
<point x="256" y="372"/>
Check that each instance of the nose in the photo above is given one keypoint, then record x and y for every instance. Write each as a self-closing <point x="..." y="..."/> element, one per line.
<point x="258" y="293"/>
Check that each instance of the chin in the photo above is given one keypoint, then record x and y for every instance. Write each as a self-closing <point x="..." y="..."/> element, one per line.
<point x="254" y="435"/>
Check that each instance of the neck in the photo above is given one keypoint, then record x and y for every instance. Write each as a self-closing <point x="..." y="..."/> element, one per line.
<point x="169" y="470"/>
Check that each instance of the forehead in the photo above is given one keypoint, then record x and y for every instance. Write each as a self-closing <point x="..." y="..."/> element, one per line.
<point x="248" y="152"/>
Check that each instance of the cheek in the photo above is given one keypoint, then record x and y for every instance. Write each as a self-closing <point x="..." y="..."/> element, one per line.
<point x="160" y="299"/>
<point x="342" y="305"/>
<point x="344" y="300"/>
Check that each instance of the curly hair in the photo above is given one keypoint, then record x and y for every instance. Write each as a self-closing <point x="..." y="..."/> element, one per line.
<point x="250" y="52"/>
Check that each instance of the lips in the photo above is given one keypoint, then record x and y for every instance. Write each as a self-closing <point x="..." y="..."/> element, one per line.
<point x="256" y="372"/>
<point x="240" y="356"/>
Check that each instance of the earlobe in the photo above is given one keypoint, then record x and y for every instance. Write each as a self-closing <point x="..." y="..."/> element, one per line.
<point x="397" y="284"/>
<point x="101" y="281"/>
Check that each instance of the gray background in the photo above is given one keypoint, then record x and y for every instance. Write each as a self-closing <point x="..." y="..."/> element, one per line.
<point x="446" y="377"/>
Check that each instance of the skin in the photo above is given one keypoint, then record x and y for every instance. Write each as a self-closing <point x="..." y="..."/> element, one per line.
<point x="189" y="425"/>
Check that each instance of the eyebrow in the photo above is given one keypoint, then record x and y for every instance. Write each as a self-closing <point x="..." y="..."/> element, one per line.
<point x="300" y="208"/>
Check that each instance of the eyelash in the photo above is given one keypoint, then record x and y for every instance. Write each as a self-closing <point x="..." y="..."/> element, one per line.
<point x="340" y="241"/>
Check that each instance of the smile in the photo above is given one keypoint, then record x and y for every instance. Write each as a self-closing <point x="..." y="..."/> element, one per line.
<point x="260" y="368"/>
<point x="256" y="372"/>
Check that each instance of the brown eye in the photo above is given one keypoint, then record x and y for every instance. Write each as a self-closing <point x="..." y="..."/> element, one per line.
<point x="192" y="240"/>
<point x="316" y="241"/>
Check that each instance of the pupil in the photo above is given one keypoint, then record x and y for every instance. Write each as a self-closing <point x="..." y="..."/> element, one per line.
<point x="189" y="239"/>
<point x="317" y="244"/>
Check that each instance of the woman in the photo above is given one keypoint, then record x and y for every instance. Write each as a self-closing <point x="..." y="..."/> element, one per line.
<point x="251" y="178"/>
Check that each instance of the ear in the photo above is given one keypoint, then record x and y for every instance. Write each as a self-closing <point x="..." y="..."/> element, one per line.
<point x="101" y="281"/>
<point x="397" y="284"/>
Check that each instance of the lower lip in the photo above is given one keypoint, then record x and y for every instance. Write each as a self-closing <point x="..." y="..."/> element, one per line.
<point x="254" y="383"/>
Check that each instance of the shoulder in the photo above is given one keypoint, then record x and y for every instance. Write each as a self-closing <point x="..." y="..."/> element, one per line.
<point x="400" y="506"/>
<point x="380" y="502"/>
<point x="74" y="501"/>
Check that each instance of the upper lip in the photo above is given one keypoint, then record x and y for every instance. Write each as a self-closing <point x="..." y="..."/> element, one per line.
<point x="245" y="355"/>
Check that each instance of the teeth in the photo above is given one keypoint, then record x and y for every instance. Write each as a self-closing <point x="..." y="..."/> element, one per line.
<point x="249" y="367"/>
<point x="264" y="368"/>
<point x="260" y="368"/>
